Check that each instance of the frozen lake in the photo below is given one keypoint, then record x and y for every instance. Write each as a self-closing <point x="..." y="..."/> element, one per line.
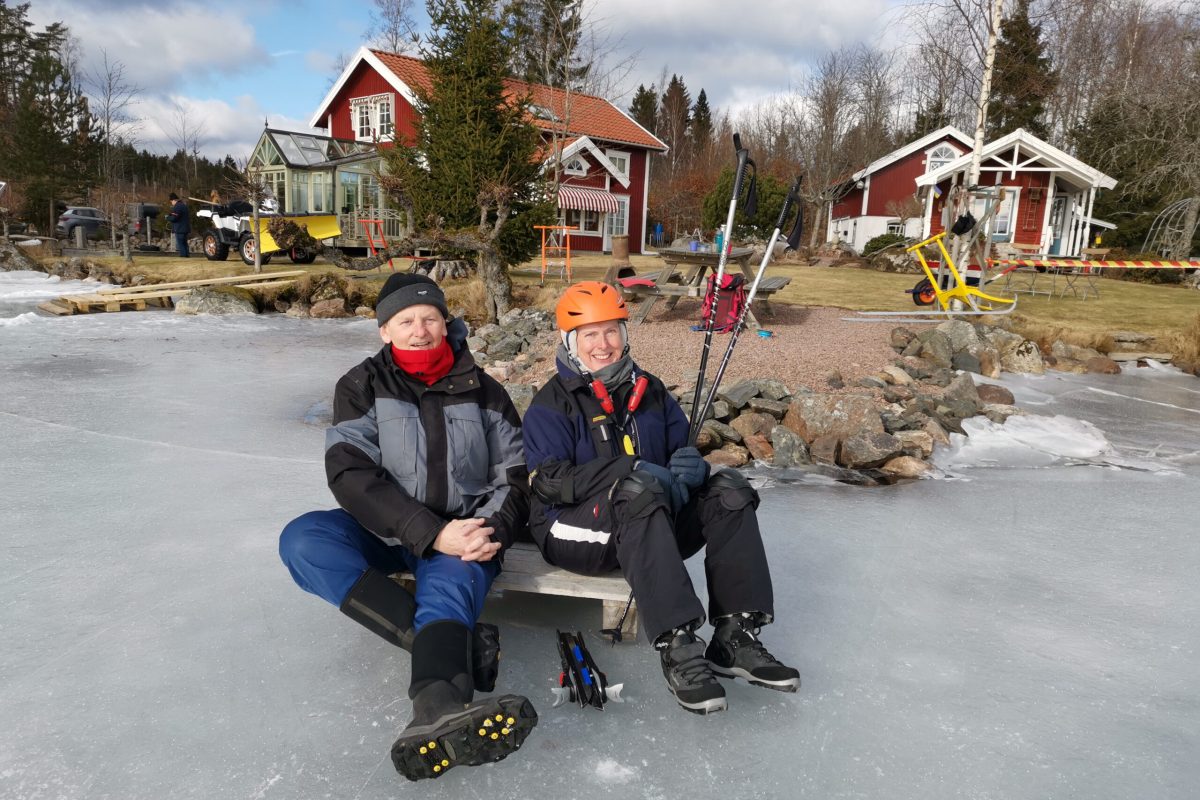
<point x="1024" y="627"/>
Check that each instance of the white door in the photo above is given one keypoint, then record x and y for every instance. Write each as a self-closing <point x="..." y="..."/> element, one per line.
<point x="617" y="223"/>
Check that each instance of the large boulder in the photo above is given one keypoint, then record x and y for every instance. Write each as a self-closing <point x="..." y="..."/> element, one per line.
<point x="789" y="449"/>
<point x="776" y="408"/>
<point x="1103" y="365"/>
<point x="1024" y="357"/>
<point x="841" y="416"/>
<point x="906" y="467"/>
<point x="332" y="308"/>
<point x="936" y="347"/>
<point x="739" y="394"/>
<point x="869" y="450"/>
<point x="753" y="423"/>
<point x="729" y="455"/>
<point x="962" y="335"/>
<point x="214" y="301"/>
<point x="991" y="393"/>
<point x="759" y="447"/>
<point x="772" y="389"/>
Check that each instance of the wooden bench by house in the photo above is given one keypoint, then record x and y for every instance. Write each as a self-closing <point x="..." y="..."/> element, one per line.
<point x="526" y="571"/>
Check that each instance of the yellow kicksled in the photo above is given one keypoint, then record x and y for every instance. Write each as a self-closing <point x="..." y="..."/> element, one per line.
<point x="959" y="300"/>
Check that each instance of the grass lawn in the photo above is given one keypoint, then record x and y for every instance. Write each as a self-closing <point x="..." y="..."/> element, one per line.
<point x="1161" y="310"/>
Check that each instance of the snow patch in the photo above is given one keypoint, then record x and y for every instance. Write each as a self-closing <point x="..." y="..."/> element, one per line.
<point x="610" y="771"/>
<point x="21" y="319"/>
<point x="1030" y="441"/>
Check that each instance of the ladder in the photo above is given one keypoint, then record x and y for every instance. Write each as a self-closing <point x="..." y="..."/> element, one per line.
<point x="371" y="228"/>
<point x="556" y="251"/>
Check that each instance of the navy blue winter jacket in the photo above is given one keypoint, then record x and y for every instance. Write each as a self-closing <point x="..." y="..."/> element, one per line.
<point x="574" y="450"/>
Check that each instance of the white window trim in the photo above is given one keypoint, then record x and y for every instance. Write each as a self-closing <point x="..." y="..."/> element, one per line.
<point x="569" y="170"/>
<point x="601" y="223"/>
<point x="373" y="103"/>
<point x="938" y="146"/>
<point x="620" y="154"/>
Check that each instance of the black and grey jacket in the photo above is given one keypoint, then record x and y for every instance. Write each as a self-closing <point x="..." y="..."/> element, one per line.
<point x="404" y="458"/>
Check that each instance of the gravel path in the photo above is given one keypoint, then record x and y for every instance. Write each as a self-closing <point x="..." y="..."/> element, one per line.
<point x="809" y="342"/>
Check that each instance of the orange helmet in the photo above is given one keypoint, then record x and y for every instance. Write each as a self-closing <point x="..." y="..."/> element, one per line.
<point x="587" y="302"/>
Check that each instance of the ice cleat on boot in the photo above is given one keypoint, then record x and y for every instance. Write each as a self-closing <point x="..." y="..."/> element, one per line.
<point x="688" y="674"/>
<point x="445" y="732"/>
<point x="736" y="652"/>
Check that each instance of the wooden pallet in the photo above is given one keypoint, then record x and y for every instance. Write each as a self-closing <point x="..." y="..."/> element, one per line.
<point x="526" y="571"/>
<point x="138" y="298"/>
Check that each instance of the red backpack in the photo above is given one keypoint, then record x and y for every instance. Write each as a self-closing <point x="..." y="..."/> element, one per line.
<point x="729" y="303"/>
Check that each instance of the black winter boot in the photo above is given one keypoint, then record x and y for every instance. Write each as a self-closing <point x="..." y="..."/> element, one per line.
<point x="688" y="675"/>
<point x="448" y="728"/>
<point x="736" y="652"/>
<point x="386" y="609"/>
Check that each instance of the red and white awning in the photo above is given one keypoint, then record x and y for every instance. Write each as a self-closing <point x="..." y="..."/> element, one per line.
<point x="587" y="199"/>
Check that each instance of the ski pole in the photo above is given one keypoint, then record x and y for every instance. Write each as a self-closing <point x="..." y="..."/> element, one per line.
<point x="743" y="161"/>
<point x="792" y="195"/>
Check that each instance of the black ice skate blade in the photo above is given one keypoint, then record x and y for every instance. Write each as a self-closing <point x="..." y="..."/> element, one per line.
<point x="456" y="739"/>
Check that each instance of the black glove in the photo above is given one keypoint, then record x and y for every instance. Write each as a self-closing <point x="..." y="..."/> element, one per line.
<point x="675" y="490"/>
<point x="689" y="467"/>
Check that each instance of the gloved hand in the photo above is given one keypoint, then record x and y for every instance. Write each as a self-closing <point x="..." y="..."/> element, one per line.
<point x="675" y="490"/>
<point x="689" y="467"/>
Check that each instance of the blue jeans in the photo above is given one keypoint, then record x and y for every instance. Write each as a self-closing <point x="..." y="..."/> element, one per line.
<point x="328" y="551"/>
<point x="181" y="245"/>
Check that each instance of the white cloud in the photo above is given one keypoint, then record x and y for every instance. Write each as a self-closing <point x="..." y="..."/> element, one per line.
<point x="225" y="128"/>
<point x="160" y="44"/>
<point x="737" y="54"/>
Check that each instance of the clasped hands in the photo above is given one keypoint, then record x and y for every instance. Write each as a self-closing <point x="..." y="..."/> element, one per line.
<point x="469" y="539"/>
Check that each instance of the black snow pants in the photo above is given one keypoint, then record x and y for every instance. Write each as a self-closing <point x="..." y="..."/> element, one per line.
<point x="639" y="536"/>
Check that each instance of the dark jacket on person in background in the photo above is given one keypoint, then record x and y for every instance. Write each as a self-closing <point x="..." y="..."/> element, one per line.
<point x="180" y="218"/>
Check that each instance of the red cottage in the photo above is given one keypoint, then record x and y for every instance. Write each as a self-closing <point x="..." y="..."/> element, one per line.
<point x="1048" y="202"/>
<point x="605" y="155"/>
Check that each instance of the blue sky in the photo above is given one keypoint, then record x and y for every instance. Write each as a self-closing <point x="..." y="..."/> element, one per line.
<point x="230" y="65"/>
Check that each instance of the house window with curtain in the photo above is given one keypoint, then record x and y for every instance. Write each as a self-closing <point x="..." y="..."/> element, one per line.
<point x="583" y="220"/>
<point x="620" y="160"/>
<point x="372" y="117"/>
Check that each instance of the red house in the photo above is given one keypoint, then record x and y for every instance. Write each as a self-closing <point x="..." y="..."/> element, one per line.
<point x="1048" y="201"/>
<point x="604" y="155"/>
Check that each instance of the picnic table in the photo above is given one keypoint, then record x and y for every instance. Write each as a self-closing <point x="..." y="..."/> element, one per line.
<point x="683" y="275"/>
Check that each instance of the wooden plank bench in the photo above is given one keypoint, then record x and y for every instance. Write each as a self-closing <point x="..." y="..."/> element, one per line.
<point x="526" y="571"/>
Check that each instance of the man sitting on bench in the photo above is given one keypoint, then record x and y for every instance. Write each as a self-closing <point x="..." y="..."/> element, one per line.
<point x="424" y="458"/>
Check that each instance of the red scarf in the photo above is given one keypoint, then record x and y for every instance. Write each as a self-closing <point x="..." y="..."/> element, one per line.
<point x="427" y="366"/>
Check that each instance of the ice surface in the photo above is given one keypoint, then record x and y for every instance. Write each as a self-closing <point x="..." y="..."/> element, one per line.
<point x="1029" y="633"/>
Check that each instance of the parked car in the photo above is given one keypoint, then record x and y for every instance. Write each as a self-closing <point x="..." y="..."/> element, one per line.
<point x="75" y="216"/>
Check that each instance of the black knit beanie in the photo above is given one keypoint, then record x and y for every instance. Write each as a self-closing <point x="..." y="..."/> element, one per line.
<point x="403" y="290"/>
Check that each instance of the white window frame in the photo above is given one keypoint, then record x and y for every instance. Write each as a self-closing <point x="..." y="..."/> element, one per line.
<point x="619" y="155"/>
<point x="576" y="166"/>
<point x="895" y="228"/>
<point x="933" y="162"/>
<point x="384" y="117"/>
<point x="373" y="117"/>
<point x="579" y="218"/>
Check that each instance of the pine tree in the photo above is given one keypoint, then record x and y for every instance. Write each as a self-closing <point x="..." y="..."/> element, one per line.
<point x="47" y="141"/>
<point x="674" y="115"/>
<point x="545" y="37"/>
<point x="472" y="181"/>
<point x="644" y="108"/>
<point x="1024" y="78"/>
<point x="701" y="130"/>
